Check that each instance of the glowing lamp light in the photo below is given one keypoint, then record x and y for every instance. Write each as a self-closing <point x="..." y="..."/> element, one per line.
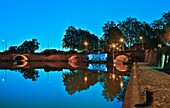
<point x="121" y="40"/>
<point x="3" y="79"/>
<point x="121" y="84"/>
<point x="113" y="76"/>
<point x="85" y="78"/>
<point x="113" y="45"/>
<point x="85" y="43"/>
<point x="140" y="37"/>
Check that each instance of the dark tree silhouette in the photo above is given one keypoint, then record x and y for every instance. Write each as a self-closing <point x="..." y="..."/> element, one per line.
<point x="111" y="86"/>
<point x="112" y="35"/>
<point x="131" y="29"/>
<point x="76" y="38"/>
<point x="120" y="97"/>
<point x="75" y="81"/>
<point x="25" y="47"/>
<point x="29" y="46"/>
<point x="30" y="74"/>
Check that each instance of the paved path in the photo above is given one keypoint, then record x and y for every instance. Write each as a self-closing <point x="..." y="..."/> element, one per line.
<point x="132" y="97"/>
<point x="147" y="88"/>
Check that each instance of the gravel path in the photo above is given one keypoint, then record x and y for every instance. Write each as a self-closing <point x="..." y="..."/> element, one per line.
<point x="154" y="87"/>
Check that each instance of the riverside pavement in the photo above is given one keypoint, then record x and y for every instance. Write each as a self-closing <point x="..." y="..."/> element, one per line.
<point x="147" y="88"/>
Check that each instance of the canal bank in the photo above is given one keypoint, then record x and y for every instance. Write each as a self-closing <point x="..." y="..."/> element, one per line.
<point x="147" y="88"/>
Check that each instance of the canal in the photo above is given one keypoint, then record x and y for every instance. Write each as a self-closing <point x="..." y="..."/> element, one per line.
<point x="43" y="85"/>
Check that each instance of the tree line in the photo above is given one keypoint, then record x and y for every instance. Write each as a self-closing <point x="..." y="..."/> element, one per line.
<point x="125" y="34"/>
<point x="130" y="30"/>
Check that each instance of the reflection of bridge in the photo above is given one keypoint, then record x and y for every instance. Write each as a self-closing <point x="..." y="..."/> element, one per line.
<point x="61" y="60"/>
<point x="55" y="66"/>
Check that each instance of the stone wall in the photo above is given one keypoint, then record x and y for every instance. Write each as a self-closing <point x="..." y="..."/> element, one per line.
<point x="158" y="57"/>
<point x="43" y="57"/>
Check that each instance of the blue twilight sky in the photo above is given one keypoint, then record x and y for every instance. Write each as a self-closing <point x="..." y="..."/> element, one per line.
<point x="45" y="20"/>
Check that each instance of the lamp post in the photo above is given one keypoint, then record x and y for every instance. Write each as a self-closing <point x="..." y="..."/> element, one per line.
<point x="141" y="38"/>
<point x="122" y="41"/>
<point x="3" y="45"/>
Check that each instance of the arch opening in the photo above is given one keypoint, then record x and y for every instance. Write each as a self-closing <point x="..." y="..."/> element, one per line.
<point x="20" y="60"/>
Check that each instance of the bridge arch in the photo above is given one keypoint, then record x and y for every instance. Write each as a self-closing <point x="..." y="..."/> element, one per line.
<point x="20" y="57"/>
<point x="21" y="64"/>
<point x="20" y="60"/>
<point x="122" y="58"/>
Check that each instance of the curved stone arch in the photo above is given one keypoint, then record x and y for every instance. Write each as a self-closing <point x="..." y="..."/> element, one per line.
<point x="25" y="58"/>
<point x="125" y="55"/>
<point x="22" y="65"/>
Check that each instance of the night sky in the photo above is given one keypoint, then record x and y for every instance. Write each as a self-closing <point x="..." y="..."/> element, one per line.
<point x="45" y="20"/>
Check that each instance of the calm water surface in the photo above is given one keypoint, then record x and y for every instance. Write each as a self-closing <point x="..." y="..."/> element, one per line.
<point x="93" y="87"/>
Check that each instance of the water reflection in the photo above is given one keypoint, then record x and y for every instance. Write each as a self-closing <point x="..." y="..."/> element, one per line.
<point x="4" y="76"/>
<point x="79" y="78"/>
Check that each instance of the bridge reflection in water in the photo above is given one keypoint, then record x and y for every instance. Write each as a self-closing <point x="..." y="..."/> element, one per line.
<point x="113" y="78"/>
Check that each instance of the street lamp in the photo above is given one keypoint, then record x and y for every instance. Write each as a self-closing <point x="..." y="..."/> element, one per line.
<point x="141" y="38"/>
<point x="122" y="41"/>
<point x="113" y="45"/>
<point x="86" y="44"/>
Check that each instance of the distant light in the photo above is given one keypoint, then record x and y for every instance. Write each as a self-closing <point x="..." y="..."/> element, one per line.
<point x="113" y="76"/>
<point x="121" y="40"/>
<point x="121" y="84"/>
<point x="3" y="79"/>
<point x="163" y="59"/>
<point x="113" y="45"/>
<point x="85" y="78"/>
<point x="140" y="37"/>
<point x="85" y="43"/>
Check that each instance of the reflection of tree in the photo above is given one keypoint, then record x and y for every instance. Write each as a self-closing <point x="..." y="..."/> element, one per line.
<point x="75" y="81"/>
<point x="111" y="85"/>
<point x="121" y="95"/>
<point x="30" y="74"/>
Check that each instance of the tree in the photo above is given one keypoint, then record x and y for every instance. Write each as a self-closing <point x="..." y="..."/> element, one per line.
<point x="69" y="40"/>
<point x="166" y="18"/>
<point x="13" y="49"/>
<point x="131" y="29"/>
<point x="28" y="46"/>
<point x="158" y="30"/>
<point x="111" y="35"/>
<point x="30" y="74"/>
<point x="150" y="40"/>
<point x="166" y="21"/>
<point x="108" y="26"/>
<point x="75" y="39"/>
<point x="25" y="47"/>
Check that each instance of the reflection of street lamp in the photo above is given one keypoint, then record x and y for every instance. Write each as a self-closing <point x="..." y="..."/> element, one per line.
<point x="141" y="38"/>
<point x="121" y="82"/>
<point x="4" y="77"/>
<point x="122" y="41"/>
<point x="85" y="78"/>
